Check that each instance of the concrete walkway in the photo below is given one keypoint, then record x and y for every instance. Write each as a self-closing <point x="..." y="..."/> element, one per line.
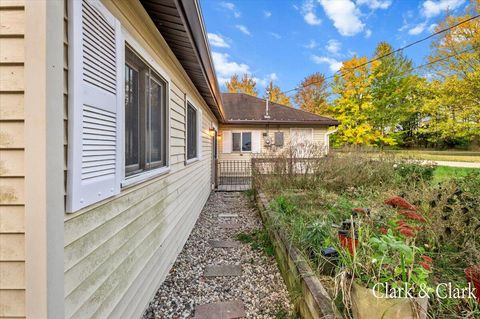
<point x="458" y="164"/>
<point x="215" y="276"/>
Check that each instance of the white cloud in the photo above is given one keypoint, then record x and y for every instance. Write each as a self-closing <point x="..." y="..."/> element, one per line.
<point x="375" y="4"/>
<point x="275" y="35"/>
<point x="368" y="33"/>
<point x="419" y="28"/>
<point x="345" y="16"/>
<point x="266" y="80"/>
<point x="333" y="46"/>
<point x="432" y="8"/>
<point x="333" y="64"/>
<point x="431" y="28"/>
<point x="311" y="18"/>
<point x="311" y="45"/>
<point x="225" y="68"/>
<point x="217" y="40"/>
<point x="230" y="6"/>
<point x="267" y="14"/>
<point x="243" y="29"/>
<point x="308" y="12"/>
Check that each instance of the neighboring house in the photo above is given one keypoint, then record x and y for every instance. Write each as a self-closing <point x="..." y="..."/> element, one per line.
<point x="249" y="130"/>
<point x="108" y="123"/>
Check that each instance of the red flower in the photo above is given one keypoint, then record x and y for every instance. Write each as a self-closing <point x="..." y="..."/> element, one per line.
<point x="383" y="231"/>
<point x="407" y="231"/>
<point x="402" y="223"/>
<point x="425" y="265"/>
<point x="426" y="259"/>
<point x="397" y="201"/>
<point x="412" y="215"/>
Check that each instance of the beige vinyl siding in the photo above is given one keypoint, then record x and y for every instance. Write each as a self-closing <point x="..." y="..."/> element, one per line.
<point x="318" y="137"/>
<point x="118" y="251"/>
<point x="12" y="171"/>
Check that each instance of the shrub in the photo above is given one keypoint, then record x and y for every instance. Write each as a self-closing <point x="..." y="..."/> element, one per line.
<point x="412" y="173"/>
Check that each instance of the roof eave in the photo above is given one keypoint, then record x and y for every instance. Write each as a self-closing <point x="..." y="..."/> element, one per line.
<point x="196" y="30"/>
<point x="285" y="122"/>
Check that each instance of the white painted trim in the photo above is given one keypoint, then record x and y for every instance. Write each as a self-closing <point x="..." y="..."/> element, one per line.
<point x="145" y="176"/>
<point x="128" y="181"/>
<point x="44" y="159"/>
<point x="192" y="160"/>
<point x="241" y="141"/>
<point x="137" y="47"/>
<point x="199" y="112"/>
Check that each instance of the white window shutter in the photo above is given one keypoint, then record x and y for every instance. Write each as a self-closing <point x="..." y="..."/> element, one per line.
<point x="256" y="141"/>
<point x="96" y="84"/>
<point x="227" y="142"/>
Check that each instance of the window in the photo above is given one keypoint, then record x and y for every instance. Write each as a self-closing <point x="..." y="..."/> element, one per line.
<point x="145" y="116"/>
<point x="242" y="142"/>
<point x="192" y="134"/>
<point x="279" y="139"/>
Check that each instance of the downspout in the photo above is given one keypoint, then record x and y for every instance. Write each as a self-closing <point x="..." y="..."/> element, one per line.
<point x="327" y="139"/>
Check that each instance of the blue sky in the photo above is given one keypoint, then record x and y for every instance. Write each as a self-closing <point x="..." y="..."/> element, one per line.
<point x="284" y="40"/>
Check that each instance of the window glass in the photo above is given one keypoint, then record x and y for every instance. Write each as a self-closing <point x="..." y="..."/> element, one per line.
<point x="236" y="142"/>
<point x="132" y="119"/>
<point x="246" y="142"/>
<point x="145" y="116"/>
<point x="191" y="132"/>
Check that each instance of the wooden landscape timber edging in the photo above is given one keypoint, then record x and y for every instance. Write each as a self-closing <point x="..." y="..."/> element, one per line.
<point x="314" y="303"/>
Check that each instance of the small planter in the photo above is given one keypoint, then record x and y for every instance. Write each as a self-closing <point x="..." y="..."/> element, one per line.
<point x="473" y="276"/>
<point x="329" y="261"/>
<point x="365" y="305"/>
<point x="346" y="240"/>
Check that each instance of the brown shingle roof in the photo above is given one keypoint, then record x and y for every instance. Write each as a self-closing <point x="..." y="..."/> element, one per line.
<point x="241" y="108"/>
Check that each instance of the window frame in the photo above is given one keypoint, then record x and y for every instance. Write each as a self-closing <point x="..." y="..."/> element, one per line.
<point x="241" y="142"/>
<point x="142" y="176"/>
<point x="188" y="101"/>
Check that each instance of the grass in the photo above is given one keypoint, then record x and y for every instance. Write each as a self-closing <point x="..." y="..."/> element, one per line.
<point x="443" y="173"/>
<point x="259" y="240"/>
<point x="454" y="156"/>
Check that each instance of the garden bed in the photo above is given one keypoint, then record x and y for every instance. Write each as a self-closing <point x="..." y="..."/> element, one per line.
<point x="352" y="205"/>
<point x="314" y="301"/>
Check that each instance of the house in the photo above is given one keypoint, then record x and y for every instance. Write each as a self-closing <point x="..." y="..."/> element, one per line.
<point x="108" y="123"/>
<point x="252" y="127"/>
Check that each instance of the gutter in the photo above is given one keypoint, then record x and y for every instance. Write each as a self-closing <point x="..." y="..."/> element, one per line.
<point x="192" y="17"/>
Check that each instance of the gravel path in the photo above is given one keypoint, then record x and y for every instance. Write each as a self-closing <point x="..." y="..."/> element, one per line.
<point x="260" y="286"/>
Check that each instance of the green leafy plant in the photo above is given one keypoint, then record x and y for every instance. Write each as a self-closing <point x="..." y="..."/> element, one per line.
<point x="284" y="206"/>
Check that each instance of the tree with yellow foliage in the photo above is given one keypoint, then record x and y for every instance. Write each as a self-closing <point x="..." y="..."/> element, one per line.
<point x="312" y="94"/>
<point x="276" y="95"/>
<point x="244" y="85"/>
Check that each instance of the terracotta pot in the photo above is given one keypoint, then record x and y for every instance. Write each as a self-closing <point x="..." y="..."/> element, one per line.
<point x="365" y="305"/>
<point x="473" y="276"/>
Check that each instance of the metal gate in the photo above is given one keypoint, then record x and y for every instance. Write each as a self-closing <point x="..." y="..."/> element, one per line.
<point x="234" y="175"/>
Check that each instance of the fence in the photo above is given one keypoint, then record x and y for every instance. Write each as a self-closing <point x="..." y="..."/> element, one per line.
<point x="234" y="175"/>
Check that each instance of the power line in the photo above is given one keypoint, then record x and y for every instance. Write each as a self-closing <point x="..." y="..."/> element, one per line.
<point x="389" y="53"/>
<point x="429" y="63"/>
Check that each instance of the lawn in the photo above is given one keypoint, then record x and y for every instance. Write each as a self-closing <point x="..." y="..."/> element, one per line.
<point x="453" y="156"/>
<point x="444" y="173"/>
<point x="353" y="205"/>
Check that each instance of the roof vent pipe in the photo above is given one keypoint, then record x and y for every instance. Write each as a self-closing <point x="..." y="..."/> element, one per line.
<point x="267" y="116"/>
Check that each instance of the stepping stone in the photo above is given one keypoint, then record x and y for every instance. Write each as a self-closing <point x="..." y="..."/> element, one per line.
<point x="227" y="215"/>
<point x="222" y="271"/>
<point x="223" y="243"/>
<point x="220" y="310"/>
<point x="229" y="225"/>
